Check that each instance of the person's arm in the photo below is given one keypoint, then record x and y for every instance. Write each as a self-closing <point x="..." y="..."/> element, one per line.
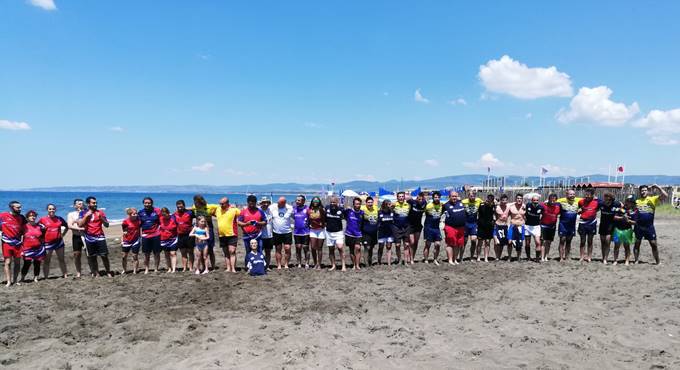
<point x="73" y="222"/>
<point x="192" y="232"/>
<point x="64" y="224"/>
<point x="239" y="221"/>
<point x="263" y="218"/>
<point x="86" y="218"/>
<point x="662" y="193"/>
<point x="105" y="221"/>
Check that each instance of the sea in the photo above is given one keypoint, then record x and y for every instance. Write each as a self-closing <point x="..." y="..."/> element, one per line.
<point x="112" y="203"/>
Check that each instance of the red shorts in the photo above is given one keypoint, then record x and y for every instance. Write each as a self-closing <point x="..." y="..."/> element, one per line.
<point x="10" y="251"/>
<point x="455" y="236"/>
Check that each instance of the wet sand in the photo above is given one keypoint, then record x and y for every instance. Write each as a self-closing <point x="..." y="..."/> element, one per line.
<point x="475" y="315"/>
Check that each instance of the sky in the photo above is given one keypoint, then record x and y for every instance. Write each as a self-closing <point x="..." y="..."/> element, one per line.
<point x="251" y="92"/>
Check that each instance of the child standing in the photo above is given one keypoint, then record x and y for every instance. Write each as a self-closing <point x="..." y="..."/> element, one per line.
<point x="201" y="256"/>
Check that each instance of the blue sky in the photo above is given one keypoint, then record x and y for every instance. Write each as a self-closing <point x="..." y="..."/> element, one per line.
<point x="226" y="92"/>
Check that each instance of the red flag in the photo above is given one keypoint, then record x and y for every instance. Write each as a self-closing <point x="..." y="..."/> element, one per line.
<point x="619" y="169"/>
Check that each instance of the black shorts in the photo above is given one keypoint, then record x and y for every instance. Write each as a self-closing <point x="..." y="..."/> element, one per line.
<point x="226" y="241"/>
<point x="352" y="241"/>
<point x="400" y="234"/>
<point x="501" y="233"/>
<point x="185" y="242"/>
<point x="606" y="228"/>
<point x="97" y="248"/>
<point x="484" y="232"/>
<point x="415" y="227"/>
<point x="279" y="239"/>
<point x="77" y="242"/>
<point x="301" y="239"/>
<point x="548" y="233"/>
<point x="267" y="243"/>
<point x="369" y="239"/>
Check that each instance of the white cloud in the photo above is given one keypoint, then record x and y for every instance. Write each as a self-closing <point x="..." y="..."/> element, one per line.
<point x="44" y="4"/>
<point x="486" y="160"/>
<point x="13" y="125"/>
<point x="431" y="162"/>
<point x="459" y="101"/>
<point x="529" y="115"/>
<point x="205" y="167"/>
<point x="313" y="125"/>
<point x="386" y="93"/>
<point x="116" y="129"/>
<point x="233" y="172"/>
<point x="363" y="177"/>
<point x="508" y="76"/>
<point x="553" y="170"/>
<point x="661" y="126"/>
<point x="417" y="96"/>
<point x="592" y="105"/>
<point x="204" y="56"/>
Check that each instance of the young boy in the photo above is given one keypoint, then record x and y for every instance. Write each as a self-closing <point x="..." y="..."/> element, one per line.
<point x="256" y="262"/>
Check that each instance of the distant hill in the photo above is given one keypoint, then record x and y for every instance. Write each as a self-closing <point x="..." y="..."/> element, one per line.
<point x="435" y="183"/>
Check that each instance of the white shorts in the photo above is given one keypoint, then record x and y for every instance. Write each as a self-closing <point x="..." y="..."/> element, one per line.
<point x="317" y="234"/>
<point x="334" y="238"/>
<point x="389" y="239"/>
<point x="532" y="230"/>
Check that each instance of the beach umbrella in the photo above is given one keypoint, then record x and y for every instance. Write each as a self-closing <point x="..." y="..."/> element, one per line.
<point x="350" y="193"/>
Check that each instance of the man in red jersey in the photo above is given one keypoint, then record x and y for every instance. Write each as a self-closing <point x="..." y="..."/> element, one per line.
<point x="185" y="244"/>
<point x="93" y="221"/>
<point x="551" y="211"/>
<point x="587" y="225"/>
<point x="12" y="225"/>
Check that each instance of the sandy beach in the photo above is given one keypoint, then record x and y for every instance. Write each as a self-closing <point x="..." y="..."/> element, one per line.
<point x="476" y="315"/>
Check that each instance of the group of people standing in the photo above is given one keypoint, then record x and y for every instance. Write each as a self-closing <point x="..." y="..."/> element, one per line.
<point x="361" y="227"/>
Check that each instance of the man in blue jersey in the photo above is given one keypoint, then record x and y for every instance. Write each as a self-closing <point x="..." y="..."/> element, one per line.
<point x="644" y="228"/>
<point x="567" y="226"/>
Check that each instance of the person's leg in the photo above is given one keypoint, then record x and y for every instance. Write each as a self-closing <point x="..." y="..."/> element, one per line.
<point x="426" y="251"/>
<point x="655" y="251"/>
<point x="232" y="257"/>
<point x="407" y="251"/>
<point x="24" y="269"/>
<point x="617" y="246"/>
<point x="207" y="262"/>
<point x="46" y="265"/>
<point x="636" y="250"/>
<point x="474" y="252"/>
<point x="589" y="256"/>
<point x="626" y="247"/>
<point x="268" y="255"/>
<point x="497" y="248"/>
<point x="357" y="256"/>
<point x="62" y="261"/>
<point x="198" y="261"/>
<point x="277" y="255"/>
<point x="381" y="247"/>
<point x="605" y="241"/>
<point x="77" y="258"/>
<point x="107" y="266"/>
<point x="563" y="248"/>
<point x="147" y="259"/>
<point x="166" y="254"/>
<point x="305" y="249"/>
<point x="388" y="247"/>
<point x="287" y="255"/>
<point x="173" y="260"/>
<point x="449" y="253"/>
<point x="123" y="261"/>
<point x="36" y="270"/>
<point x="546" y="249"/>
<point x="157" y="259"/>
<point x="8" y="266"/>
<point x="331" y="255"/>
<point x="298" y="254"/>
<point x="479" y="245"/>
<point x="582" y="245"/>
<point x="435" y="255"/>
<point x="413" y="240"/>
<point x="341" y="251"/>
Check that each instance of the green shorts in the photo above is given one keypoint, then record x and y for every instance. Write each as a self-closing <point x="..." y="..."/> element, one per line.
<point x="623" y="236"/>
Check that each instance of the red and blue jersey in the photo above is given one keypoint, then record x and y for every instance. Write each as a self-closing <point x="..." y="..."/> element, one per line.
<point x="53" y="227"/>
<point x="248" y="215"/>
<point x="33" y="236"/>
<point x="12" y="226"/>
<point x="94" y="227"/>
<point x="150" y="222"/>
<point x="131" y="230"/>
<point x="589" y="209"/>
<point x="168" y="228"/>
<point x="184" y="222"/>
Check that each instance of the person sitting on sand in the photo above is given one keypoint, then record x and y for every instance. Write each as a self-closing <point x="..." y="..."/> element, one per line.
<point x="256" y="263"/>
<point x="131" y="239"/>
<point x="201" y="235"/>
<point x="32" y="249"/>
<point x="624" y="220"/>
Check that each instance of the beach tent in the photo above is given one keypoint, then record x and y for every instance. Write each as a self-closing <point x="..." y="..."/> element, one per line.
<point x="350" y="193"/>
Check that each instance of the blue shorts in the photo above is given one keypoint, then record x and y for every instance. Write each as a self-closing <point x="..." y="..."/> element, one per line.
<point x="150" y="245"/>
<point x="567" y="230"/>
<point x="587" y="227"/>
<point x="470" y="229"/>
<point x="131" y="247"/>
<point x="645" y="232"/>
<point x="169" y="245"/>
<point x="516" y="233"/>
<point x="432" y="234"/>
<point x="500" y="232"/>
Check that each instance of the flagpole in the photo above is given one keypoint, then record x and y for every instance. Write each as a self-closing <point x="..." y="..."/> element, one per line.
<point x="623" y="175"/>
<point x="609" y="173"/>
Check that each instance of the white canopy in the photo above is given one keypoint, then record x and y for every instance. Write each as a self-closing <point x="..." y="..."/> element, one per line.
<point x="350" y="193"/>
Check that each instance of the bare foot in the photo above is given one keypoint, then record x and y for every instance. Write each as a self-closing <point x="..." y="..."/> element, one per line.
<point x="436" y="262"/>
<point x="146" y="271"/>
<point x="615" y="263"/>
<point x="77" y="275"/>
<point x="332" y="268"/>
<point x="9" y="283"/>
<point x="205" y="271"/>
<point x="197" y="272"/>
<point x="453" y="263"/>
<point x="278" y="267"/>
<point x="286" y="267"/>
<point x="343" y="268"/>
<point x="35" y="279"/>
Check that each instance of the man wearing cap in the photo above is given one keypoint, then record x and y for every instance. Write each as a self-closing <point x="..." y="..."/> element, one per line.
<point x="228" y="232"/>
<point x="267" y="236"/>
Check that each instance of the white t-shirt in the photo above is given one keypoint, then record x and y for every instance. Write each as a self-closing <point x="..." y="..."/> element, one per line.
<point x="282" y="219"/>
<point x="267" y="230"/>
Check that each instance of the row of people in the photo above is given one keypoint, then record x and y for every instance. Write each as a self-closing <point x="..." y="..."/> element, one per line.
<point x="308" y="228"/>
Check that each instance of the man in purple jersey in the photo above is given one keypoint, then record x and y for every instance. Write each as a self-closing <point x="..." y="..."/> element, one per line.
<point x="301" y="230"/>
<point x="354" y="218"/>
